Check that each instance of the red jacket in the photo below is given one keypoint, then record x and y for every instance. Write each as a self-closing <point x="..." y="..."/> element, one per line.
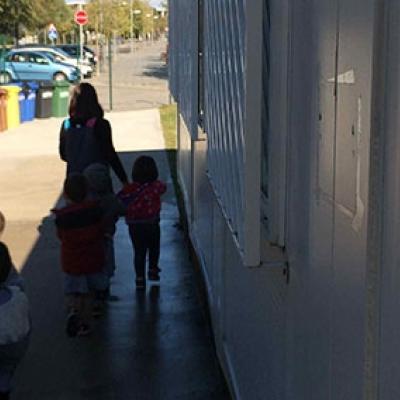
<point x="143" y="201"/>
<point x="81" y="231"/>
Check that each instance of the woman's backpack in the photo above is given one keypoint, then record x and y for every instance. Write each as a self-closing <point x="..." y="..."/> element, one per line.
<point x="82" y="147"/>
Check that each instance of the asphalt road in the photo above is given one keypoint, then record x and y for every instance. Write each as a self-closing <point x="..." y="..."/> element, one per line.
<point x="139" y="79"/>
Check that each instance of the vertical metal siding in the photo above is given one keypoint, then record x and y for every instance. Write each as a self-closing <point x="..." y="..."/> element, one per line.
<point x="265" y="97"/>
<point x="229" y="159"/>
<point x="183" y="69"/>
<point x="173" y="71"/>
<point x="224" y="60"/>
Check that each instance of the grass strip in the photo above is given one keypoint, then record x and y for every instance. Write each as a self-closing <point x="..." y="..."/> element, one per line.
<point x="168" y="122"/>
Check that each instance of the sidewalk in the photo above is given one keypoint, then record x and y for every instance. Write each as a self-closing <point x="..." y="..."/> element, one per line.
<point x="152" y="345"/>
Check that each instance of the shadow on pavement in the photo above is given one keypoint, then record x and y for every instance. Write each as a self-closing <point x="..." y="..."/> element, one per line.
<point x="150" y="345"/>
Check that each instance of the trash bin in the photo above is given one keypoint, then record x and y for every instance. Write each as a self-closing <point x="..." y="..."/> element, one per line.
<point x="61" y="98"/>
<point x="31" y="99"/>
<point x="13" y="118"/>
<point x="44" y="97"/>
<point x="22" y="95"/>
<point x="3" y="110"/>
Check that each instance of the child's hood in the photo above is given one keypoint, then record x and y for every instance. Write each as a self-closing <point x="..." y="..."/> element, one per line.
<point x="99" y="178"/>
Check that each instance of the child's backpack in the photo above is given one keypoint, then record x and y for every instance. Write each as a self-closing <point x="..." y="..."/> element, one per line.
<point x="82" y="147"/>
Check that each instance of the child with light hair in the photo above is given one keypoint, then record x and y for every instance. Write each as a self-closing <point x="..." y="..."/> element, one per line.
<point x="100" y="189"/>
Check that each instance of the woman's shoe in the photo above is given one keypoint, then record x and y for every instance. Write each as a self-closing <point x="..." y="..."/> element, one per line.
<point x="140" y="283"/>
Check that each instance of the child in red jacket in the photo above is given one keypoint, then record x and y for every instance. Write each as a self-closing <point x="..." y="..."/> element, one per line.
<point x="80" y="229"/>
<point x="142" y="199"/>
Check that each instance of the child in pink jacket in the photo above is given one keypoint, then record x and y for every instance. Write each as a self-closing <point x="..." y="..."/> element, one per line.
<point x="142" y="199"/>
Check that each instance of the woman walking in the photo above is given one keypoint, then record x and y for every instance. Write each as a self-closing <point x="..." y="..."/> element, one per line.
<point x="85" y="138"/>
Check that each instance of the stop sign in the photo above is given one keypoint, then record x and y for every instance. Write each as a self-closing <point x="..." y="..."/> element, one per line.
<point x="81" y="17"/>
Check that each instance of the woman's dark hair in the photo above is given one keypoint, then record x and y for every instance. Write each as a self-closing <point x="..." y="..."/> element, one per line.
<point x="5" y="262"/>
<point x="144" y="170"/>
<point x="84" y="103"/>
<point x="76" y="187"/>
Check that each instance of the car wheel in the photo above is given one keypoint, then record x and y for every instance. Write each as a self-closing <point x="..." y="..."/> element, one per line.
<point x="5" y="77"/>
<point x="59" y="76"/>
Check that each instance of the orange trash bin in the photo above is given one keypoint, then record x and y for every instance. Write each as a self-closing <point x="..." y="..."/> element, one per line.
<point x="3" y="110"/>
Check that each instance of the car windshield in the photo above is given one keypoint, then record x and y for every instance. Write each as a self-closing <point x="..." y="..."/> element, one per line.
<point x="72" y="50"/>
<point x="62" y="52"/>
<point x="50" y="56"/>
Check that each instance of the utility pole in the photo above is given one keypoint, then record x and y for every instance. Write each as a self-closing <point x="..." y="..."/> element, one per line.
<point x="80" y="8"/>
<point x="131" y="19"/>
<point x="100" y="56"/>
<point x="110" y="85"/>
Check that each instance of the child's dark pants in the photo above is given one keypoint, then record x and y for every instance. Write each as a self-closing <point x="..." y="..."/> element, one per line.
<point x="145" y="238"/>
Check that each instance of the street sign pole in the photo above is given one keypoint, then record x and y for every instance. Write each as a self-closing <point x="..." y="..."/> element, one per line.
<point x="131" y="23"/>
<point x="110" y="88"/>
<point x="81" y="18"/>
<point x="80" y="38"/>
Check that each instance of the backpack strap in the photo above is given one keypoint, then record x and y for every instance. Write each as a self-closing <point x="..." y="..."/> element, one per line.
<point x="67" y="124"/>
<point x="90" y="123"/>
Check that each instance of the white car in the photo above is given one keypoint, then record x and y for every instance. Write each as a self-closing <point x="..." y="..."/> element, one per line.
<point x="61" y="56"/>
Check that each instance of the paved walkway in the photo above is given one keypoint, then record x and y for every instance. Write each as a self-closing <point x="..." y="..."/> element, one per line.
<point x="152" y="345"/>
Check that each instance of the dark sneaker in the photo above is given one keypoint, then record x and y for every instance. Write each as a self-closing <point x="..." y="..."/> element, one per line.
<point x="154" y="274"/>
<point x="98" y="309"/>
<point x="72" y="324"/>
<point x="140" y="283"/>
<point x="83" y="330"/>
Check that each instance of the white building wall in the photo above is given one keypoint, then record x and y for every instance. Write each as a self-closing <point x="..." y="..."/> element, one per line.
<point x="184" y="162"/>
<point x="299" y="331"/>
<point x="387" y="196"/>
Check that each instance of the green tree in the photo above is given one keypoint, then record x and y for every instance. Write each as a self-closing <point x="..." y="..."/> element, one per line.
<point x="54" y="12"/>
<point x="21" y="16"/>
<point x="14" y="14"/>
<point x="114" y="16"/>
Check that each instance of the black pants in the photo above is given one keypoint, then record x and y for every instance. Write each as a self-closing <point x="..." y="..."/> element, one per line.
<point x="145" y="238"/>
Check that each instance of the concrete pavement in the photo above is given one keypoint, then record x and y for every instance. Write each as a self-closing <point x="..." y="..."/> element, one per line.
<point x="152" y="345"/>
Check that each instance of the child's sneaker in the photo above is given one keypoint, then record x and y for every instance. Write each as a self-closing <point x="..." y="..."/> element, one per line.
<point x="154" y="274"/>
<point x="140" y="283"/>
<point x="83" y="330"/>
<point x="97" y="309"/>
<point x="72" y="324"/>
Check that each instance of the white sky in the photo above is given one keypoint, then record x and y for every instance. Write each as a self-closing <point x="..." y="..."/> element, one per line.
<point x="155" y="3"/>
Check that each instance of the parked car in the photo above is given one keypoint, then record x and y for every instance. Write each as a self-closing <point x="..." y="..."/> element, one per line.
<point x="29" y="65"/>
<point x="85" y="67"/>
<point x="73" y="50"/>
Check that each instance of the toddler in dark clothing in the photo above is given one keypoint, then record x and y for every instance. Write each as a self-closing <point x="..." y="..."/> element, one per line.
<point x="80" y="229"/>
<point x="142" y="199"/>
<point x="15" y="323"/>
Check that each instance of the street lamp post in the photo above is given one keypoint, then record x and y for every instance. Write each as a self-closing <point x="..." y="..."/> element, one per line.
<point x="131" y="22"/>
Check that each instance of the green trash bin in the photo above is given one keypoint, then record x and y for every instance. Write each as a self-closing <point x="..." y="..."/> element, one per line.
<point x="60" y="99"/>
